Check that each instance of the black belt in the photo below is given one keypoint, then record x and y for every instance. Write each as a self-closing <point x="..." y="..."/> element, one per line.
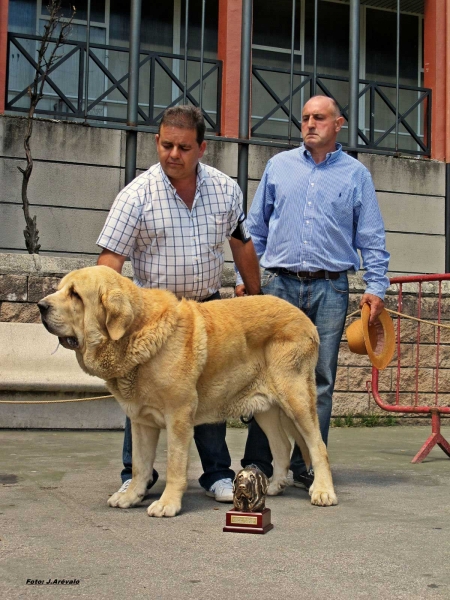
<point x="215" y="296"/>
<point x="307" y="274"/>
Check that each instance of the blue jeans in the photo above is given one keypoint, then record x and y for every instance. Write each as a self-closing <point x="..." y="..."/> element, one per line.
<point x="325" y="302"/>
<point x="211" y="446"/>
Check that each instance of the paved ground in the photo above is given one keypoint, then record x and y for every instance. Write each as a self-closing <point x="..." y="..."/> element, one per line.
<point x="389" y="537"/>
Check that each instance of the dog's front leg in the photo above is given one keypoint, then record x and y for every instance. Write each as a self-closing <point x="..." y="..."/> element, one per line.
<point x="145" y="440"/>
<point x="180" y="431"/>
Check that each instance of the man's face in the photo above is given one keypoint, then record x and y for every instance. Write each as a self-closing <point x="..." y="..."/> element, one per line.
<point x="179" y="152"/>
<point x="320" y="125"/>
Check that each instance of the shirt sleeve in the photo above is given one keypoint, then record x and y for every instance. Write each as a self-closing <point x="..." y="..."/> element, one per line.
<point x="370" y="238"/>
<point x="236" y="210"/>
<point x="259" y="216"/>
<point x="261" y="211"/>
<point x="122" y="224"/>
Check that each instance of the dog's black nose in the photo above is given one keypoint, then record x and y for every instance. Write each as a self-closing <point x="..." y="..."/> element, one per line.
<point x="43" y="306"/>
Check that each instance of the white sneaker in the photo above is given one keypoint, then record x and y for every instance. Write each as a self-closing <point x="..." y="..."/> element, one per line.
<point x="221" y="490"/>
<point x="126" y="484"/>
<point x="123" y="488"/>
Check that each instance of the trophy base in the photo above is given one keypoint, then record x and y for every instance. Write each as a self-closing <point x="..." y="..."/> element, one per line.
<point x="248" y="522"/>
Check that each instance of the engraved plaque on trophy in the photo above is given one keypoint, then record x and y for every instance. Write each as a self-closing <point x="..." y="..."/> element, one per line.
<point x="249" y="514"/>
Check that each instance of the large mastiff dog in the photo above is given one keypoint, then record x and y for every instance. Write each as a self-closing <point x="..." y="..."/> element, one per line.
<point x="175" y="364"/>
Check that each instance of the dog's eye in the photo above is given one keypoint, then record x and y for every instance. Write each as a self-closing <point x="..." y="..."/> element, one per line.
<point x="74" y="294"/>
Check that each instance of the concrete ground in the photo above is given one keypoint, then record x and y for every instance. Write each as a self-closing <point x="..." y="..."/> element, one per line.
<point x="388" y="538"/>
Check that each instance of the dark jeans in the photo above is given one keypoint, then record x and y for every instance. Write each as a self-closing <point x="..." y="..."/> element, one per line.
<point x="325" y="302"/>
<point x="211" y="445"/>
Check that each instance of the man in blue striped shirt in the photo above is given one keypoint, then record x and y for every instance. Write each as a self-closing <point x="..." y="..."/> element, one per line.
<point x="314" y="209"/>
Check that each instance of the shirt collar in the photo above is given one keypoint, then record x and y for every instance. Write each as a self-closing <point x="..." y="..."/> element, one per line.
<point x="201" y="174"/>
<point x="330" y="157"/>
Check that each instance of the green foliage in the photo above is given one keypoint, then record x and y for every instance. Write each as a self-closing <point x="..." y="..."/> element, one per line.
<point x="351" y="420"/>
<point x="236" y="424"/>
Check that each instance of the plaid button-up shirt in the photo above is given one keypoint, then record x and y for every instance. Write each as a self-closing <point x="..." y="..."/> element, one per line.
<point x="169" y="245"/>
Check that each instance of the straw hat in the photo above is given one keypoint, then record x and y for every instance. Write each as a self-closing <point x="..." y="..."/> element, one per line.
<point x="378" y="340"/>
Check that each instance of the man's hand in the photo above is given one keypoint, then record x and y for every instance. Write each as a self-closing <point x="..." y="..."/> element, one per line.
<point x="376" y="306"/>
<point x="240" y="290"/>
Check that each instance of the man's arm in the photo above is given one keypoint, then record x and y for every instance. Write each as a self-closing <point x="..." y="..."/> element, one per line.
<point x="112" y="260"/>
<point x="370" y="239"/>
<point x="244" y="256"/>
<point x="258" y="223"/>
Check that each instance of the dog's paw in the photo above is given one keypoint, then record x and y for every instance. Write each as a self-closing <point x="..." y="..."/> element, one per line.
<point x="124" y="499"/>
<point x="323" y="498"/>
<point x="163" y="509"/>
<point x="276" y="488"/>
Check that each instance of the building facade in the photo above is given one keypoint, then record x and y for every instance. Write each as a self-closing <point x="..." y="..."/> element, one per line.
<point x="298" y="47"/>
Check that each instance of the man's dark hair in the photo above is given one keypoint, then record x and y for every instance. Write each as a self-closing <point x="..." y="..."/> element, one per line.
<point x="185" y="117"/>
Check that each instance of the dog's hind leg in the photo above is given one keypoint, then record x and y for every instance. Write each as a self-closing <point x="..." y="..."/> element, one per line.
<point x="299" y="403"/>
<point x="180" y="431"/>
<point x="280" y="448"/>
<point x="293" y="432"/>
<point x="145" y="440"/>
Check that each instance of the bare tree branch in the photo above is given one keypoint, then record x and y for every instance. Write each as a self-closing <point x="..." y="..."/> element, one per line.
<point x="36" y="92"/>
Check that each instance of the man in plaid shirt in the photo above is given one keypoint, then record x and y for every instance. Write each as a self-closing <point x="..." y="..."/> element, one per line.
<point x="172" y="222"/>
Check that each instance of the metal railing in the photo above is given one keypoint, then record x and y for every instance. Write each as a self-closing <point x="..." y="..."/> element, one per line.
<point x="75" y="105"/>
<point x="419" y="370"/>
<point x="371" y="136"/>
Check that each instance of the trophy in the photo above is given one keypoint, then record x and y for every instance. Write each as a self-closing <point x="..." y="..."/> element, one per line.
<point x="249" y="514"/>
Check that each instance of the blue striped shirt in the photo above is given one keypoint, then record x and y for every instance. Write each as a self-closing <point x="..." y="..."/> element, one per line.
<point x="307" y="216"/>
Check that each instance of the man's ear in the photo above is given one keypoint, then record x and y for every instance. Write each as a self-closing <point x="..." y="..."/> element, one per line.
<point x="339" y="123"/>
<point x="202" y="149"/>
<point x="119" y="313"/>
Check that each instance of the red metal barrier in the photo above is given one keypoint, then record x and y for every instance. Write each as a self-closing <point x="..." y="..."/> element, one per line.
<point x="414" y="365"/>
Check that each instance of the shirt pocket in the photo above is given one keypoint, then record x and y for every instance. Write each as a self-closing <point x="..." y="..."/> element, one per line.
<point x="216" y="226"/>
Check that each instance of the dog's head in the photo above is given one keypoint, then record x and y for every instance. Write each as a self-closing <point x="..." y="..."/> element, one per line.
<point x="250" y="484"/>
<point x="90" y="305"/>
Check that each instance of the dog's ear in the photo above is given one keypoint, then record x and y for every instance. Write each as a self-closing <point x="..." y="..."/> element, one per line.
<point x="263" y="483"/>
<point x="119" y="313"/>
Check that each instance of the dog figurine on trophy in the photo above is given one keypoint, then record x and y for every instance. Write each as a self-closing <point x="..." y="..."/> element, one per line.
<point x="249" y="513"/>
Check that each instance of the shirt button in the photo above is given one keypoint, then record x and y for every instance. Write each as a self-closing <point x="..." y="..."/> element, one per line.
<point x="312" y="185"/>
<point x="305" y="242"/>
<point x="309" y="203"/>
<point x="307" y="222"/>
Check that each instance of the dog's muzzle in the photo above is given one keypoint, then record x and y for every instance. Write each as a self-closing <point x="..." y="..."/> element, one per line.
<point x="67" y="342"/>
